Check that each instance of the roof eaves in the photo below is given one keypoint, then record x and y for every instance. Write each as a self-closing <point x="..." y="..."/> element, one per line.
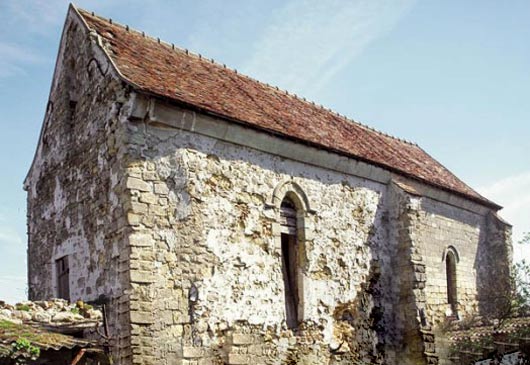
<point x="235" y="71"/>
<point x="175" y="100"/>
<point x="100" y="44"/>
<point x="205" y="111"/>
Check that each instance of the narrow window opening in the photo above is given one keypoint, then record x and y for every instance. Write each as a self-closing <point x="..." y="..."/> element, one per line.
<point x="71" y="112"/>
<point x="290" y="261"/>
<point x="450" y="267"/>
<point x="63" y="278"/>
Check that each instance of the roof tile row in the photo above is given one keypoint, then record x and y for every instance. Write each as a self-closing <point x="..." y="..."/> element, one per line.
<point x="179" y="76"/>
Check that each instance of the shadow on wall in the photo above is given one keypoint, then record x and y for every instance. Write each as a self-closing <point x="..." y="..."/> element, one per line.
<point x="494" y="265"/>
<point x="359" y="324"/>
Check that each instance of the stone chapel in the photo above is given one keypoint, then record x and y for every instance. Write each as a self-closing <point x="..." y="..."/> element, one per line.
<point x="225" y="221"/>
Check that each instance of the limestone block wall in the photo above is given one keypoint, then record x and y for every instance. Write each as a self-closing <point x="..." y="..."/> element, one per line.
<point x="441" y="228"/>
<point x="409" y="343"/>
<point x="482" y="243"/>
<point x="494" y="268"/>
<point x="206" y="260"/>
<point x="75" y="187"/>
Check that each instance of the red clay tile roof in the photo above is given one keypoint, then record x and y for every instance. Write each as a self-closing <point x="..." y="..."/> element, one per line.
<point x="479" y="331"/>
<point x="156" y="68"/>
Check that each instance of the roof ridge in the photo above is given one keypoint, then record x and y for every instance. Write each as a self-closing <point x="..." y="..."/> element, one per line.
<point x="302" y="99"/>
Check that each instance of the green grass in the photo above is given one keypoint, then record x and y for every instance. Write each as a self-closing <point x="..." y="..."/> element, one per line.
<point x="21" y="338"/>
<point x="23" y="307"/>
<point x="11" y="332"/>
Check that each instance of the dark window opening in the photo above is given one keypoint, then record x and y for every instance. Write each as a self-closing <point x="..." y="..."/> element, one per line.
<point x="290" y="262"/>
<point x="450" y="267"/>
<point x="63" y="278"/>
<point x="71" y="112"/>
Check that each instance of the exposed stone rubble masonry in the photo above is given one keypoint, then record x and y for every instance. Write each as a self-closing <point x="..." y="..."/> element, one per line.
<point x="75" y="189"/>
<point x="55" y="311"/>
<point x="176" y="225"/>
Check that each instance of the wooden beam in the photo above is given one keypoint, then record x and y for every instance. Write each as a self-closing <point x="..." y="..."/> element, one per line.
<point x="78" y="357"/>
<point x="511" y="344"/>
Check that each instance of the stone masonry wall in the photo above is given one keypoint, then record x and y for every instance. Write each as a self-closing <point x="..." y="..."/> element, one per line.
<point x="482" y="245"/>
<point x="443" y="227"/>
<point x="74" y="186"/>
<point x="205" y="255"/>
<point x="494" y="265"/>
<point x="409" y="342"/>
<point x="180" y="233"/>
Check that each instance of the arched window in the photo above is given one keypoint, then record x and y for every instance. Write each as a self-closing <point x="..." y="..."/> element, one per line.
<point x="290" y="260"/>
<point x="450" y="269"/>
<point x="290" y="232"/>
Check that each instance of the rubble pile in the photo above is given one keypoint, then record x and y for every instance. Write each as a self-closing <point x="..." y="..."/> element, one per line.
<point x="55" y="311"/>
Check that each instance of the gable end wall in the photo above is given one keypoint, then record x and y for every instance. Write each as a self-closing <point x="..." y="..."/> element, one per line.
<point x="75" y="188"/>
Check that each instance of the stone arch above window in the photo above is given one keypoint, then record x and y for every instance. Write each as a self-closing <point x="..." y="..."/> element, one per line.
<point x="293" y="191"/>
<point x="290" y="257"/>
<point x="453" y="251"/>
<point x="290" y="231"/>
<point x="451" y="260"/>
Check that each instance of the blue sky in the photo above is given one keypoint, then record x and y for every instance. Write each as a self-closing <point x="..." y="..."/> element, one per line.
<point x="452" y="76"/>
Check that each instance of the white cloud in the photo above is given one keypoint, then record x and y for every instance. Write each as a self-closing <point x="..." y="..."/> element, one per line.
<point x="513" y="193"/>
<point x="23" y="25"/>
<point x="13" y="58"/>
<point x="309" y="41"/>
<point x="37" y="15"/>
